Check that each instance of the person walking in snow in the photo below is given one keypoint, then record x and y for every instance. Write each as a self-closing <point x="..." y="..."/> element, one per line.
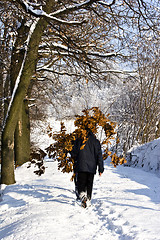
<point x="86" y="162"/>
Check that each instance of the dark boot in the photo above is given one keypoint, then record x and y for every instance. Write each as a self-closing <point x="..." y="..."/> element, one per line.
<point x="83" y="198"/>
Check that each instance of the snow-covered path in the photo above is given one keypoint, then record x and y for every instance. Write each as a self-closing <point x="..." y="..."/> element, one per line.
<point x="125" y="206"/>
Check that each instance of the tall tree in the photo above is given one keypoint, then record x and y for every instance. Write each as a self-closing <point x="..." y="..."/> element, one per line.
<point x="21" y="86"/>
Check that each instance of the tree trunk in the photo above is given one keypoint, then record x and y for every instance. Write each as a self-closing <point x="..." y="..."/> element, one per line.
<point x="1" y="101"/>
<point x="6" y="95"/>
<point x="22" y="137"/>
<point x="7" y="163"/>
<point x="1" y="94"/>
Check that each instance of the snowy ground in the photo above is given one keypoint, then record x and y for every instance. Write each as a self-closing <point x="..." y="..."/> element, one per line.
<point x="125" y="206"/>
<point x="146" y="156"/>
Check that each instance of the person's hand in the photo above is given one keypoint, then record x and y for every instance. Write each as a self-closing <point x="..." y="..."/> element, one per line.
<point x="100" y="174"/>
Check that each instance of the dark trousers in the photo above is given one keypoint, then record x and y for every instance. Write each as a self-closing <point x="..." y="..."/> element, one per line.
<point x="85" y="182"/>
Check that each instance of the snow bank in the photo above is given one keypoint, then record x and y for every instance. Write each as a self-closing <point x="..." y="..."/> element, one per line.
<point x="146" y="156"/>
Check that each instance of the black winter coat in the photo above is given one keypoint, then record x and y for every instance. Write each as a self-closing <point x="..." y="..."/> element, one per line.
<point x="87" y="159"/>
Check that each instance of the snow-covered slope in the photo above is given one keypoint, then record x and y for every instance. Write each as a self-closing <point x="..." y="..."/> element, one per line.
<point x="146" y="156"/>
<point x="125" y="206"/>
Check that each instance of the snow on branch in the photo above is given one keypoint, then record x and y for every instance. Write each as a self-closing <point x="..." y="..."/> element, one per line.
<point x="33" y="4"/>
<point x="103" y="55"/>
<point x="62" y="21"/>
<point x="73" y="7"/>
<point x="5" y="98"/>
<point x="40" y="13"/>
<point x="106" y="4"/>
<point x="77" y="51"/>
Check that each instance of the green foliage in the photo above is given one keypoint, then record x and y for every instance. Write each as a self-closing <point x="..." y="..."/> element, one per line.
<point x="91" y="119"/>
